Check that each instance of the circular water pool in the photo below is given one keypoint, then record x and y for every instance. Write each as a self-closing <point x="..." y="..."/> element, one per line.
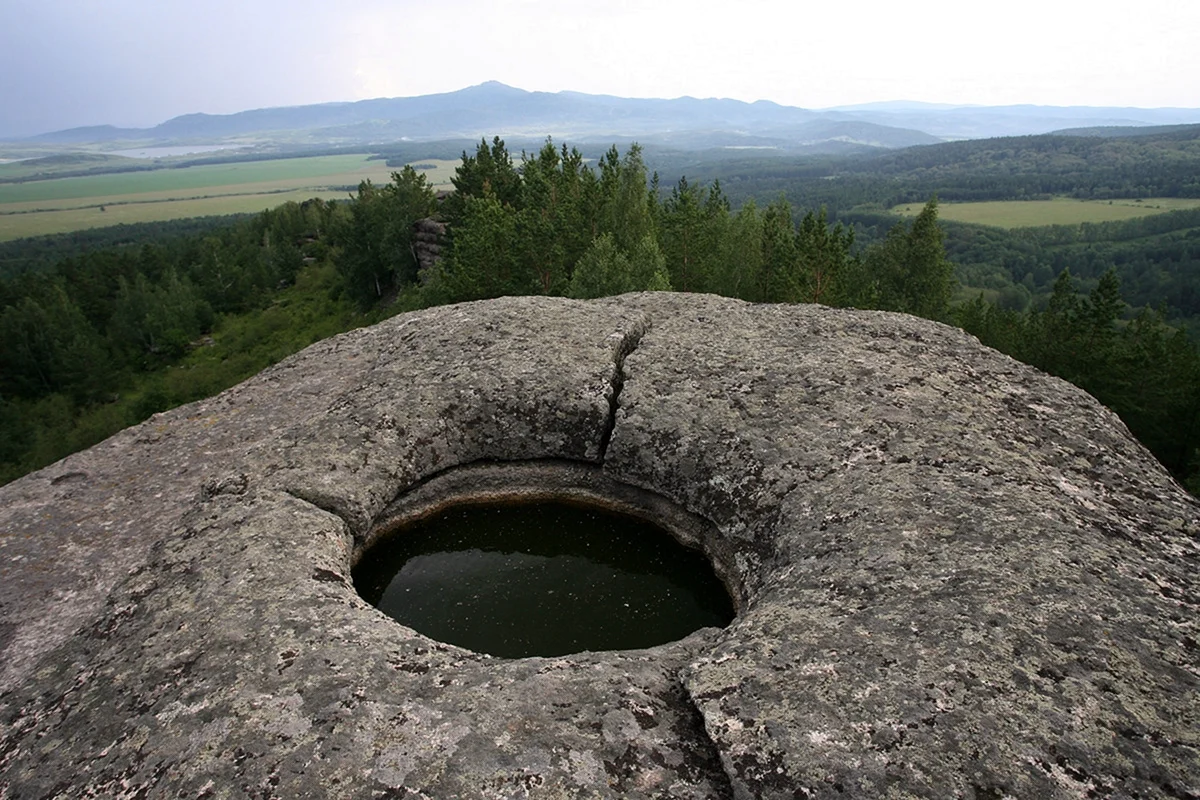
<point x="521" y="579"/>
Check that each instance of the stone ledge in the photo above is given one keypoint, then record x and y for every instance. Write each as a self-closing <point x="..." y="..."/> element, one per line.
<point x="959" y="577"/>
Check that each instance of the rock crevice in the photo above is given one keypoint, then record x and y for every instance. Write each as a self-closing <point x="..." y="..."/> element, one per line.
<point x="627" y="345"/>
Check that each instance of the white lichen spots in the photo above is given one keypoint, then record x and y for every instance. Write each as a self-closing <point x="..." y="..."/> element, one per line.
<point x="619" y="725"/>
<point x="210" y="736"/>
<point x="971" y="636"/>
<point x="819" y="738"/>
<point x="866" y="691"/>
<point x="282" y="715"/>
<point x="1080" y="496"/>
<point x="418" y="736"/>
<point x="1085" y="712"/>
<point x="393" y="765"/>
<point x="721" y="484"/>
<point x="585" y="768"/>
<point x="731" y="725"/>
<point x="745" y="564"/>
<point x="817" y="668"/>
<point x="177" y="708"/>
<point x="641" y="709"/>
<point x="651" y="779"/>
<point x="1074" y="788"/>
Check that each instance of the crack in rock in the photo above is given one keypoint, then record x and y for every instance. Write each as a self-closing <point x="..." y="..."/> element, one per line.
<point x="628" y="344"/>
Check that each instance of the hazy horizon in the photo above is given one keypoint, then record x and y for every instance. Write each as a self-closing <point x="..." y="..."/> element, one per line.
<point x="134" y="63"/>
<point x="897" y="104"/>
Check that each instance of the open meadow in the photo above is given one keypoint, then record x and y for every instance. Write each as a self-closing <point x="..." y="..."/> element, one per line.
<point x="1059" y="211"/>
<point x="61" y="205"/>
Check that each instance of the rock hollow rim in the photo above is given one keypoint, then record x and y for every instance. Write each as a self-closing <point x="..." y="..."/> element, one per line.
<point x="683" y="586"/>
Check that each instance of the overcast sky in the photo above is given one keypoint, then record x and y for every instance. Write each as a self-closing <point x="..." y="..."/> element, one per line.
<point x="65" y="63"/>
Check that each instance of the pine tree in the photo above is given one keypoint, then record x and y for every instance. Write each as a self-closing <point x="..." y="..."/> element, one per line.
<point x="740" y="254"/>
<point x="823" y="252"/>
<point x="602" y="271"/>
<point x="482" y="262"/>
<point x="554" y="224"/>
<point x="778" y="280"/>
<point x="376" y="255"/>
<point x="911" y="268"/>
<point x="681" y="221"/>
<point x="489" y="172"/>
<point x="648" y="268"/>
<point x="626" y="210"/>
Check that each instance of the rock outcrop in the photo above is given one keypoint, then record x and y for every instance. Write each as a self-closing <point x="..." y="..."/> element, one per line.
<point x="956" y="576"/>
<point x="428" y="236"/>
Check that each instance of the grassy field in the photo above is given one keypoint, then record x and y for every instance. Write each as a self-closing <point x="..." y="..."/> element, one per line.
<point x="437" y="172"/>
<point x="1059" y="211"/>
<point x="68" y="162"/>
<point x="66" y="204"/>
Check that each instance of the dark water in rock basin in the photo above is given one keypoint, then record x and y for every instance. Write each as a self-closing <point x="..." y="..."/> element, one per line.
<point x="542" y="579"/>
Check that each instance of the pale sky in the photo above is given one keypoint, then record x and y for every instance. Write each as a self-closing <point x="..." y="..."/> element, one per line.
<point x="66" y="63"/>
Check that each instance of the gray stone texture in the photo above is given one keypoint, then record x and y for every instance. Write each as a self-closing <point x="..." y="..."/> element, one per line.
<point x="956" y="576"/>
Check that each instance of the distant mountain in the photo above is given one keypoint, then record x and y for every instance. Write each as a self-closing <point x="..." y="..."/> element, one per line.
<point x="495" y="109"/>
<point x="979" y="122"/>
<point x="88" y="135"/>
<point x="899" y="105"/>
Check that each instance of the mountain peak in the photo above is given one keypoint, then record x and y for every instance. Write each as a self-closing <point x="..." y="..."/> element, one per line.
<point x="494" y="86"/>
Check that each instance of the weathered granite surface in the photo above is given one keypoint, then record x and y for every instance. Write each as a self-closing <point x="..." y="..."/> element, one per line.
<point x="956" y="577"/>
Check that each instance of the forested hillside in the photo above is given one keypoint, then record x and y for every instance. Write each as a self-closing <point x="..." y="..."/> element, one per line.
<point x="107" y="335"/>
<point x="1012" y="168"/>
<point x="1156" y="257"/>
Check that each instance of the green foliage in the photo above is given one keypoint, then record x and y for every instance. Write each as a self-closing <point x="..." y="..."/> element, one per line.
<point x="648" y="267"/>
<point x="605" y="269"/>
<point x="488" y="173"/>
<point x="602" y="271"/>
<point x="910" y="267"/>
<point x="694" y="223"/>
<point x="376" y="255"/>
<point x="155" y="323"/>
<point x="1157" y="259"/>
<point x="828" y="270"/>
<point x="483" y="262"/>
<point x="625" y="211"/>
<point x="50" y="253"/>
<point x="1042" y="166"/>
<point x="778" y="277"/>
<point x="1008" y="168"/>
<point x="554" y="227"/>
<point x="557" y="217"/>
<point x="49" y="347"/>
<point x="1143" y="369"/>
<point x="741" y="254"/>
<point x="106" y="337"/>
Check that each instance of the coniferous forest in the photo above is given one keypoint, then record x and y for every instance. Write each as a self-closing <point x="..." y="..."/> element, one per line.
<point x="103" y="329"/>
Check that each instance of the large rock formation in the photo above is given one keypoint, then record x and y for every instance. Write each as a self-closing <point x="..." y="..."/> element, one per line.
<point x="956" y="577"/>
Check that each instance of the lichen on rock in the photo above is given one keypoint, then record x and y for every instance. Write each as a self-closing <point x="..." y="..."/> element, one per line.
<point x="956" y="576"/>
